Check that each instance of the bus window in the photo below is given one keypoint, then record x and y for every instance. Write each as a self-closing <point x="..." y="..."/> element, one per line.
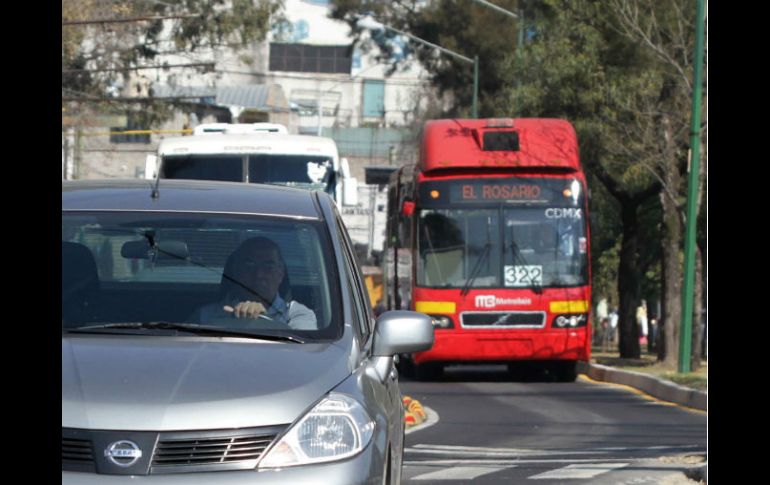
<point x="459" y="247"/>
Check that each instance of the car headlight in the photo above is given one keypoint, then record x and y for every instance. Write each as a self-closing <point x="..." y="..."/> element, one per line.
<point x="336" y="428"/>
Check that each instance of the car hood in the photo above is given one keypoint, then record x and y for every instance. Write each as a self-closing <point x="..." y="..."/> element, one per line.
<point x="164" y="384"/>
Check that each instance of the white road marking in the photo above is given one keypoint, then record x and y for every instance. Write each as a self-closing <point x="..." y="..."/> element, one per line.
<point x="459" y="473"/>
<point x="493" y="452"/>
<point x="462" y="462"/>
<point x="578" y="471"/>
<point x="517" y="461"/>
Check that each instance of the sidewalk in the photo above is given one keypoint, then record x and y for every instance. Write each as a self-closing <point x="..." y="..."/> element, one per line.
<point x="647" y="375"/>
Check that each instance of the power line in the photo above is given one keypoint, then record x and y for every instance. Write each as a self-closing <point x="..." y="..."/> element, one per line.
<point x="129" y="19"/>
<point x="209" y="65"/>
<point x="277" y="76"/>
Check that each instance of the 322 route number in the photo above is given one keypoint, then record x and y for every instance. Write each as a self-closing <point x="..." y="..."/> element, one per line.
<point x="523" y="275"/>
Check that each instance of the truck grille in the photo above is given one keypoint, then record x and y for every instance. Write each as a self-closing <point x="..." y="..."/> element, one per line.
<point x="502" y="319"/>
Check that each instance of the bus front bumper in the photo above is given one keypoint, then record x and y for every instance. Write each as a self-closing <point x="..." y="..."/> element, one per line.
<point x="483" y="346"/>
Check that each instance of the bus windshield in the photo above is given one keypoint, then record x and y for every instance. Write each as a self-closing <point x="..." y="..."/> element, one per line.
<point x="502" y="247"/>
<point x="305" y="171"/>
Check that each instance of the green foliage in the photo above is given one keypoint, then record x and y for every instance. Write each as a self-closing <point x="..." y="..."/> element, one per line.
<point x="605" y="273"/>
<point x="98" y="56"/>
<point x="462" y="26"/>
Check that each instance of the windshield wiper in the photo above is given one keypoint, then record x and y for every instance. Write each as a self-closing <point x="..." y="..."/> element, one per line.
<point x="482" y="258"/>
<point x="476" y="269"/>
<point x="186" y="327"/>
<point x="519" y="258"/>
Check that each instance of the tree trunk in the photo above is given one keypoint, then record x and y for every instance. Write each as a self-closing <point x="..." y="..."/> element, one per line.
<point x="670" y="241"/>
<point x="662" y="318"/>
<point x="629" y="282"/>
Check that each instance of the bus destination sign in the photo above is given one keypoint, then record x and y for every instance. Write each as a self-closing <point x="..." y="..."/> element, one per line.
<point x="470" y="192"/>
<point x="518" y="190"/>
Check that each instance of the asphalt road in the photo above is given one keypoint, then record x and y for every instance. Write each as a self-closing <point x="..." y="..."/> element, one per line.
<point x="493" y="430"/>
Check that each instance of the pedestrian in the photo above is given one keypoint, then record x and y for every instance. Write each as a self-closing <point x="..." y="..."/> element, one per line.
<point x="600" y="333"/>
<point x="653" y="333"/>
<point x="614" y="325"/>
<point x="641" y="320"/>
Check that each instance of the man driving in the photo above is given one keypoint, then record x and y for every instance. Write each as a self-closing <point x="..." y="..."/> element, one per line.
<point x="250" y="286"/>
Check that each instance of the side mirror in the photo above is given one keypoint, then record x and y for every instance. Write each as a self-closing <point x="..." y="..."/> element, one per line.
<point x="350" y="191"/>
<point x="402" y="332"/>
<point x="150" y="167"/>
<point x="344" y="167"/>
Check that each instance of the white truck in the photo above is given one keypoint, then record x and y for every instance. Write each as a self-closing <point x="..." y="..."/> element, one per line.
<point x="258" y="153"/>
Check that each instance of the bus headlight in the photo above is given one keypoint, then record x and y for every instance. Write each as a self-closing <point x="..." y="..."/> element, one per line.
<point x="336" y="428"/>
<point x="572" y="320"/>
<point x="441" y="321"/>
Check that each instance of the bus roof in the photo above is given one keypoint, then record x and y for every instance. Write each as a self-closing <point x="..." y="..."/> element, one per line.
<point x="249" y="143"/>
<point x="510" y="143"/>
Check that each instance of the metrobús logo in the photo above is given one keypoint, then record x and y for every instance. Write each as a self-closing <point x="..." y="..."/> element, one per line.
<point x="491" y="301"/>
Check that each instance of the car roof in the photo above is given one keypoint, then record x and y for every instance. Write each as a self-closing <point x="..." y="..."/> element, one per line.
<point x="189" y="196"/>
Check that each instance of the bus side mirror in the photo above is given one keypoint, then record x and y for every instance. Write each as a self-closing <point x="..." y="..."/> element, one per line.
<point x="350" y="191"/>
<point x="150" y="167"/>
<point x="407" y="210"/>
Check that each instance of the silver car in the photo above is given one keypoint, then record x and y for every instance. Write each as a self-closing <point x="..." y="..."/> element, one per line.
<point x="221" y="333"/>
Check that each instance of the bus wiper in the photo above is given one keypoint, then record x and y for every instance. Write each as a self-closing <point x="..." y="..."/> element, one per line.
<point x="519" y="258"/>
<point x="476" y="269"/>
<point x="187" y="327"/>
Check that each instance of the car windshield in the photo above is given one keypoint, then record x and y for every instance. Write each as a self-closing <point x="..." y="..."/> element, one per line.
<point x="157" y="272"/>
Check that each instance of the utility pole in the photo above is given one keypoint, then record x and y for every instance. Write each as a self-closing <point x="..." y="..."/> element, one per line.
<point x="693" y="178"/>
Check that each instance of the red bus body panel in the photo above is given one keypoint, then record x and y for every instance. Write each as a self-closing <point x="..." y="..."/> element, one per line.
<point x="452" y="144"/>
<point x="476" y="345"/>
<point x="452" y="149"/>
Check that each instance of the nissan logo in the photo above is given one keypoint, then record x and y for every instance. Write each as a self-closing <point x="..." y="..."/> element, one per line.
<point x="123" y="453"/>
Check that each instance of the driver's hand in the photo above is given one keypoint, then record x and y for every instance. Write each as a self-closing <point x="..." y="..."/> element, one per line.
<point x="246" y="309"/>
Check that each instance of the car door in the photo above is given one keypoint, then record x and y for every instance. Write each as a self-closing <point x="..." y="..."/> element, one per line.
<point x="387" y="392"/>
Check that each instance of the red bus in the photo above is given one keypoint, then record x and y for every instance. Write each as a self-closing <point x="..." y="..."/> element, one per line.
<point x="489" y="235"/>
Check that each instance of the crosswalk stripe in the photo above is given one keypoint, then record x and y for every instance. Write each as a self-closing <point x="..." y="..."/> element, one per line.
<point x="459" y="473"/>
<point x="578" y="471"/>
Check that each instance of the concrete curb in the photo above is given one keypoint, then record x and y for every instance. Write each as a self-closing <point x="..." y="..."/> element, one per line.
<point x="654" y="386"/>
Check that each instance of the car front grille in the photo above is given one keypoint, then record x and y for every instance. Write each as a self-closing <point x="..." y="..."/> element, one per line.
<point x="168" y="451"/>
<point x="502" y="319"/>
<point x="77" y="451"/>
<point x="209" y="451"/>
